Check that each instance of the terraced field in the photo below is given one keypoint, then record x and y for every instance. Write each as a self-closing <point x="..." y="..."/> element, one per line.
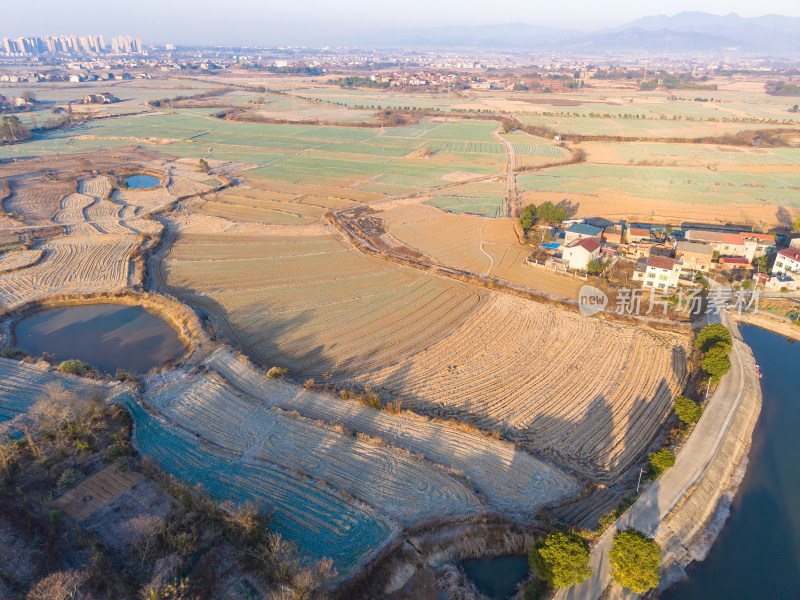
<point x="18" y="259"/>
<point x="37" y="200"/>
<point x="72" y="265"/>
<point x="311" y="303"/>
<point x="22" y="384"/>
<point x="589" y="394"/>
<point x="511" y="480"/>
<point x="317" y="518"/>
<point x="394" y="483"/>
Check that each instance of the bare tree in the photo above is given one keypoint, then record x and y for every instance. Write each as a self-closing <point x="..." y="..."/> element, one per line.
<point x="63" y="585"/>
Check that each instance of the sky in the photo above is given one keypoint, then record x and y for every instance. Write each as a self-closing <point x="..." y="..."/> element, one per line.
<point x="280" y="22"/>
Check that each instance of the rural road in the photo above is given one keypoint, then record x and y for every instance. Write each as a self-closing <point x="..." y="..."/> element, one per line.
<point x="511" y="181"/>
<point x="660" y="498"/>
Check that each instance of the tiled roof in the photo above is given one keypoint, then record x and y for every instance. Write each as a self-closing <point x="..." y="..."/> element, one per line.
<point x="661" y="262"/>
<point x="588" y="244"/>
<point x="792" y="253"/>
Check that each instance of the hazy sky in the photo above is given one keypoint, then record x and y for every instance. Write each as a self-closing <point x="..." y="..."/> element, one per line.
<point x="275" y="22"/>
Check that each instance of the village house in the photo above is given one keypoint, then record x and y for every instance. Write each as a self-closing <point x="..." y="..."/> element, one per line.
<point x="659" y="272"/>
<point x="579" y="253"/>
<point x="695" y="256"/>
<point x="637" y="234"/>
<point x="733" y="262"/>
<point x="613" y="234"/>
<point x="581" y="231"/>
<point x="787" y="261"/>
<point x="744" y="244"/>
<point x="101" y="98"/>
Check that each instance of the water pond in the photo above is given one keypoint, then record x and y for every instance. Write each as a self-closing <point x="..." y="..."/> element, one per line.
<point x="137" y="182"/>
<point x="497" y="577"/>
<point x="107" y="336"/>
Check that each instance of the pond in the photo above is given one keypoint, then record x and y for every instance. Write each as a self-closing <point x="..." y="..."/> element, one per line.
<point x="107" y="336"/>
<point x="497" y="577"/>
<point x="757" y="553"/>
<point x="136" y="182"/>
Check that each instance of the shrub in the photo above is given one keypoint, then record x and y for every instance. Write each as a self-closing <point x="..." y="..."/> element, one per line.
<point x="561" y="559"/>
<point x="687" y="410"/>
<point x="13" y="353"/>
<point x="309" y="384"/>
<point x="277" y="372"/>
<point x="661" y="460"/>
<point x="635" y="561"/>
<point x="77" y="367"/>
<point x="712" y="335"/>
<point x="69" y="478"/>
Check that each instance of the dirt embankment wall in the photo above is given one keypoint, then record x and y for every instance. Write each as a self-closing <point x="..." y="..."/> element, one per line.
<point x="688" y="532"/>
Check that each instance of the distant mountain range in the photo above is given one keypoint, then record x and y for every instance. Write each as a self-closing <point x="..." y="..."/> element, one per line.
<point x="686" y="32"/>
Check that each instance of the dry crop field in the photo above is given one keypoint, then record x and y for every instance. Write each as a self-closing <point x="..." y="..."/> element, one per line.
<point x="341" y="478"/>
<point x="311" y="303"/>
<point x="589" y="394"/>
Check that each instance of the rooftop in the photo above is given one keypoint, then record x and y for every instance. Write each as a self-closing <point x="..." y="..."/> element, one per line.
<point x="695" y="247"/>
<point x="661" y="262"/>
<point x="588" y="244"/>
<point x="792" y="253"/>
<point x="584" y="229"/>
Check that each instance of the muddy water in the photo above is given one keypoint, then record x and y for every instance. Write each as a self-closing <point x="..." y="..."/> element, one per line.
<point x="107" y="336"/>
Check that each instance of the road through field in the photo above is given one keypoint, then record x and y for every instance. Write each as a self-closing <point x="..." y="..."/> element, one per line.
<point x="511" y="180"/>
<point x="663" y="495"/>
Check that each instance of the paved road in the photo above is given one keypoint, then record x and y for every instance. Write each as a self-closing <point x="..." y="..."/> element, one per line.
<point x="654" y="504"/>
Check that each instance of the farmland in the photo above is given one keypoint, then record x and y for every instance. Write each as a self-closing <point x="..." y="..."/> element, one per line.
<point x="513" y="365"/>
<point x="21" y="385"/>
<point x="310" y="303"/>
<point x="413" y="396"/>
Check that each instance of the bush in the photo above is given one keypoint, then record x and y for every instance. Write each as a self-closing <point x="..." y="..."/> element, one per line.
<point x="595" y="267"/>
<point x="717" y="362"/>
<point x="562" y="559"/>
<point x="635" y="561"/>
<point x="276" y="372"/>
<point x="69" y="479"/>
<point x="661" y="460"/>
<point x="77" y="367"/>
<point x="712" y="335"/>
<point x="13" y="353"/>
<point x="687" y="410"/>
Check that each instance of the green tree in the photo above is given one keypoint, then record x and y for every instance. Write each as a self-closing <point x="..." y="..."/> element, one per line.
<point x="635" y="561"/>
<point x="661" y="461"/>
<point x="713" y="335"/>
<point x="717" y="362"/>
<point x="528" y="217"/>
<point x="796" y="225"/>
<point x="561" y="559"/>
<point x="687" y="410"/>
<point x="551" y="213"/>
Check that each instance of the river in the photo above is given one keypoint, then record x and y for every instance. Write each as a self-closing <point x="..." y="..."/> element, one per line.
<point x="757" y="553"/>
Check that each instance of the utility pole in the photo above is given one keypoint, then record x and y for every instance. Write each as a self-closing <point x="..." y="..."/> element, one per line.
<point x="640" y="480"/>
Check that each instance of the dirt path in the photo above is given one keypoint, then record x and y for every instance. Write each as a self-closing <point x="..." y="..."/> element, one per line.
<point x="511" y="180"/>
<point x="491" y="258"/>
